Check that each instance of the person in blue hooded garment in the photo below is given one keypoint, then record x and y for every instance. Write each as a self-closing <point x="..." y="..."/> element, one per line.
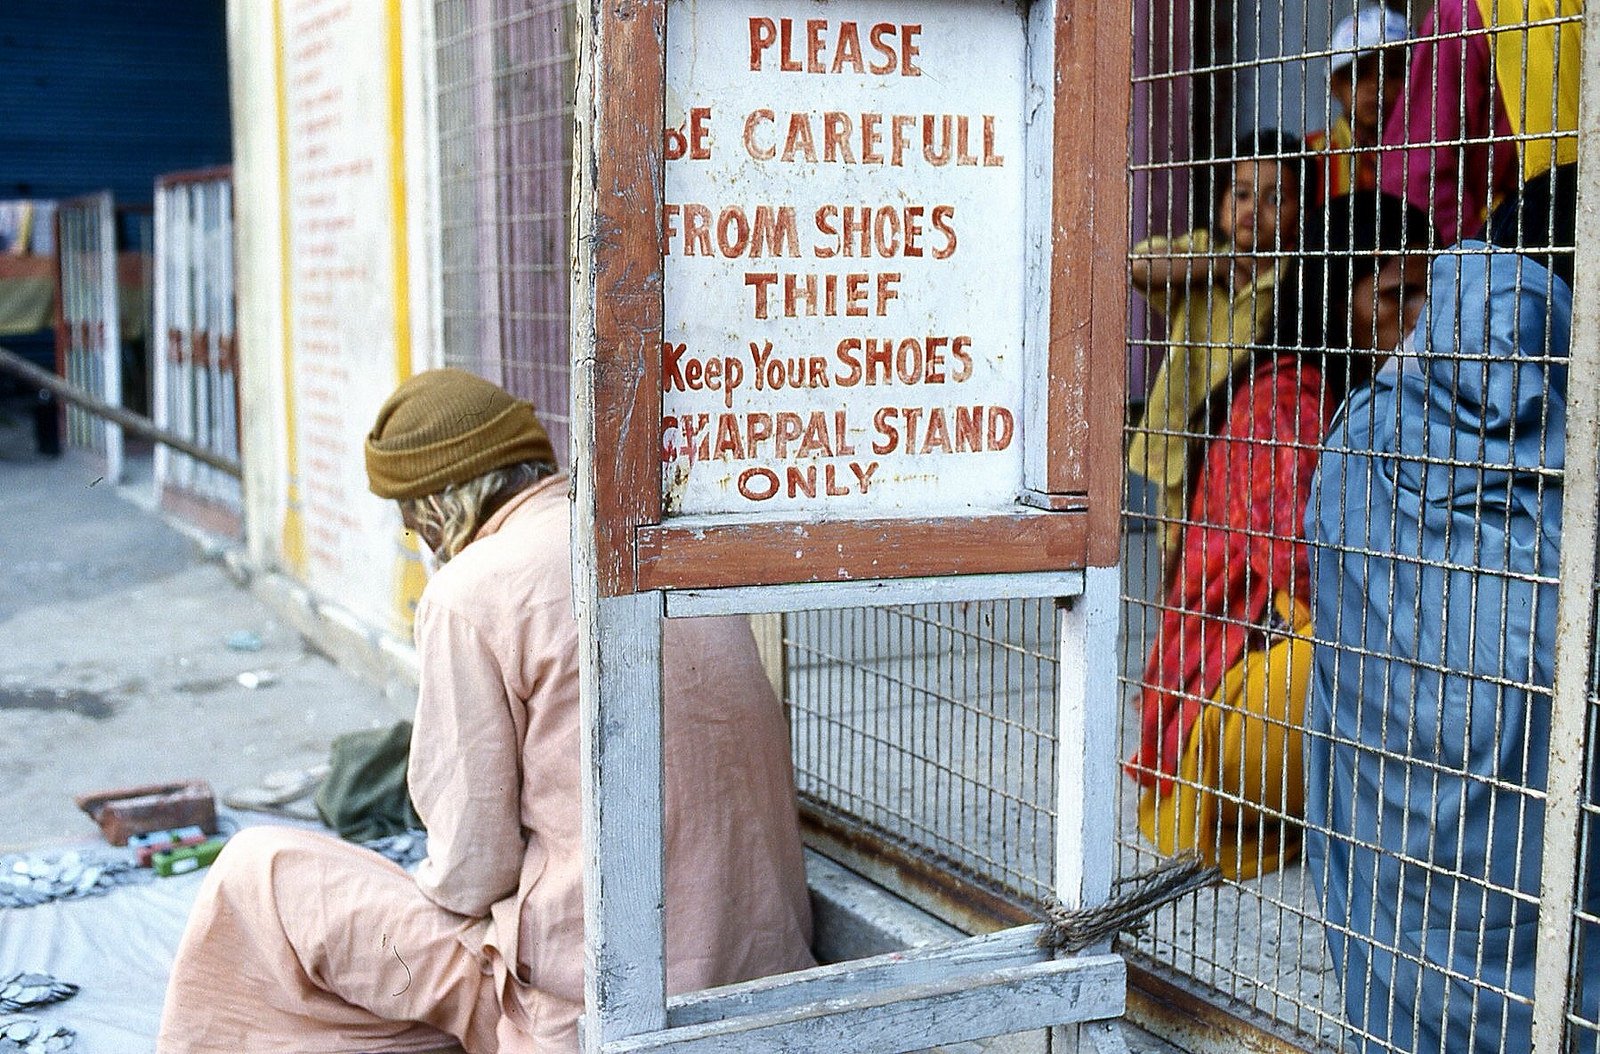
<point x="1434" y="522"/>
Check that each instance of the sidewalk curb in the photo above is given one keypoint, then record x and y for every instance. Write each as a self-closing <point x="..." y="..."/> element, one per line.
<point x="329" y="628"/>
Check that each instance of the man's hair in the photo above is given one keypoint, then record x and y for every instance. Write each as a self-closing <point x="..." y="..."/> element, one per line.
<point x="1370" y="221"/>
<point x="454" y="514"/>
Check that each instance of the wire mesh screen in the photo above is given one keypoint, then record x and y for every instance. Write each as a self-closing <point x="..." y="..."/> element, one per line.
<point x="1354" y="231"/>
<point x="931" y="729"/>
<point x="1353" y="239"/>
<point x="504" y="84"/>
<point x="973" y="789"/>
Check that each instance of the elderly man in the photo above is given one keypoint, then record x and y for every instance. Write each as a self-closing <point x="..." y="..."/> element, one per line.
<point x="303" y="943"/>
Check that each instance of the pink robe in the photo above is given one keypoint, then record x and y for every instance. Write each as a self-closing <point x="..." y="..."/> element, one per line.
<point x="303" y="943"/>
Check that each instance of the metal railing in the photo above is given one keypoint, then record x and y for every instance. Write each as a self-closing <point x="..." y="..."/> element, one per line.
<point x="130" y="422"/>
<point x="1387" y="644"/>
<point x="194" y="345"/>
<point x="88" y="333"/>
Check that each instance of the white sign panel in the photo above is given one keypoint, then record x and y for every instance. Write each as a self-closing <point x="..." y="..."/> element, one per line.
<point x="844" y="253"/>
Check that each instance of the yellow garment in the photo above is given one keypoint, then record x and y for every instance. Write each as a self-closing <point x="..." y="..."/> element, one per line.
<point x="1241" y="781"/>
<point x="1544" y="99"/>
<point x="24" y="231"/>
<point x="1212" y="333"/>
<point x="1333" y="150"/>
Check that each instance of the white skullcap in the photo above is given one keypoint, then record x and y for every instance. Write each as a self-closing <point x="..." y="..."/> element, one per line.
<point x="1363" y="32"/>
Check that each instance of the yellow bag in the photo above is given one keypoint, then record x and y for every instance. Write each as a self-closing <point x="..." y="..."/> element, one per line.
<point x="1241" y="783"/>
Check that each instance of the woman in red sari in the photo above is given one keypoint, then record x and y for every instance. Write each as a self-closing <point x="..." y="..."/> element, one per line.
<point x="1219" y="760"/>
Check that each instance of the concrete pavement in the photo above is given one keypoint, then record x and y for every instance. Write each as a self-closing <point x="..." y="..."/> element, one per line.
<point x="113" y="664"/>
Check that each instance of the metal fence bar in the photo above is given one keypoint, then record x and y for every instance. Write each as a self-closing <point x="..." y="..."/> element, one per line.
<point x="91" y="408"/>
<point x="90" y="335"/>
<point x="202" y="336"/>
<point x="72" y="364"/>
<point x="228" y="340"/>
<point x="163" y="395"/>
<point x="110" y="327"/>
<point x="1562" y="867"/>
<point x="179" y="359"/>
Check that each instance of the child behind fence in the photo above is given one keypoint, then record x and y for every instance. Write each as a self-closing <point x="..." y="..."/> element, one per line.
<point x="1215" y="287"/>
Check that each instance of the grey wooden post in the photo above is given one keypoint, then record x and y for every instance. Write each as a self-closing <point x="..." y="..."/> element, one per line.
<point x="620" y="722"/>
<point x="1562" y="872"/>
<point x="1086" y="759"/>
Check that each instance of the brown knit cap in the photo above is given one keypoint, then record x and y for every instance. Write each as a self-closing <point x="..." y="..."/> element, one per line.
<point x="449" y="426"/>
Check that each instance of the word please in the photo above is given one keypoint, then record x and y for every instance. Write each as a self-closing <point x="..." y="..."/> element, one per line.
<point x="835" y="49"/>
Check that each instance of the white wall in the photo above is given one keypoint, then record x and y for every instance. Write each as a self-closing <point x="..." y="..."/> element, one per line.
<point x="335" y="277"/>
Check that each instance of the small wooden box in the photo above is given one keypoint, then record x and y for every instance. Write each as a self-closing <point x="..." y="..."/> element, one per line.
<point x="131" y="811"/>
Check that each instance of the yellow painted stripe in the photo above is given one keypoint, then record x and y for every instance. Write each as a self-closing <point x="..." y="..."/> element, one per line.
<point x="409" y="578"/>
<point x="293" y="532"/>
<point x="397" y="191"/>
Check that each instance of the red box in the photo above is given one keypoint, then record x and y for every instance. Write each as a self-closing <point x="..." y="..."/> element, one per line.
<point x="130" y="811"/>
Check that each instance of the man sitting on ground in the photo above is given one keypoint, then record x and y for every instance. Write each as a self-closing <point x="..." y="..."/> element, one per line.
<point x="300" y="942"/>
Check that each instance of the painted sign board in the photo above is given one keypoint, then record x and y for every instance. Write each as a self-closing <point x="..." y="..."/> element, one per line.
<point x="843" y="248"/>
<point x="838" y="296"/>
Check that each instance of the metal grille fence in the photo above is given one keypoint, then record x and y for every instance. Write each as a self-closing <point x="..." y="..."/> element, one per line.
<point x="929" y="732"/>
<point x="891" y="737"/>
<point x="929" y="729"/>
<point x="88" y="337"/>
<point x="1583" y="1006"/>
<point x="504" y="86"/>
<point x="1341" y="587"/>
<point x="195" y="364"/>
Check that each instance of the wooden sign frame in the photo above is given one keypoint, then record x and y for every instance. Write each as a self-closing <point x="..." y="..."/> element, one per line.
<point x="633" y="567"/>
<point x="1066" y="515"/>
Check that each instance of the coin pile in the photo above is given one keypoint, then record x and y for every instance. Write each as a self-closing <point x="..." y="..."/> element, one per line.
<point x="27" y="879"/>
<point x="24" y="990"/>
<point x="21" y="1035"/>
